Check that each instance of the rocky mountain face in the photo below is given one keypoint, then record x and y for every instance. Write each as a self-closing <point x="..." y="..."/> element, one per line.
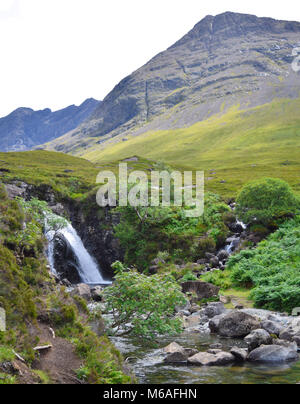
<point x="224" y="61"/>
<point x="25" y="128"/>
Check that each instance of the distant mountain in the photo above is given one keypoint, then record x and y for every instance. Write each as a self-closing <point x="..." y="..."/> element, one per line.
<point x="25" y="128"/>
<point x="228" y="60"/>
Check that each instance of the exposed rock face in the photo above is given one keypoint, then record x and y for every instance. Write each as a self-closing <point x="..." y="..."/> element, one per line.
<point x="96" y="232"/>
<point x="237" y="325"/>
<point x="273" y="354"/>
<point x="224" y="60"/>
<point x="65" y="261"/>
<point x="24" y="128"/>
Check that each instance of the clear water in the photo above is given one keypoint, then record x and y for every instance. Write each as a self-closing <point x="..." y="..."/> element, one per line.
<point x="147" y="364"/>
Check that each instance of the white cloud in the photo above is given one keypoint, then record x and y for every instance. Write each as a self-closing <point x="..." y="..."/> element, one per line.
<point x="59" y="52"/>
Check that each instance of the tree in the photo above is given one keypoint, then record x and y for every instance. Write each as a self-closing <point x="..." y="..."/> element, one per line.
<point x="143" y="305"/>
<point x="265" y="201"/>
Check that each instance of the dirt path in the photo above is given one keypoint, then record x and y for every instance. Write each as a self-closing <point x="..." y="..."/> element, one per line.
<point x="60" y="362"/>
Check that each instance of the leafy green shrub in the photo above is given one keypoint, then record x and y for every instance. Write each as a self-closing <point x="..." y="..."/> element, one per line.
<point x="265" y="201"/>
<point x="189" y="276"/>
<point x="144" y="232"/>
<point x="148" y="303"/>
<point x="218" y="278"/>
<point x="272" y="269"/>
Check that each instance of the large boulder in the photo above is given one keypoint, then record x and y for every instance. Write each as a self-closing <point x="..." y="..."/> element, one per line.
<point x="286" y="344"/>
<point x="173" y="347"/>
<point x="214" y="309"/>
<point x="207" y="359"/>
<point x="257" y="338"/>
<point x="240" y="354"/>
<point x="191" y="321"/>
<point x="237" y="324"/>
<point x="82" y="290"/>
<point x="214" y="324"/>
<point x="272" y="328"/>
<point x="273" y="354"/>
<point x="178" y="354"/>
<point x="97" y="293"/>
<point x="202" y="290"/>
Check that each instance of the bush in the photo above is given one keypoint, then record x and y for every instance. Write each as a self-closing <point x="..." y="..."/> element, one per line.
<point x="272" y="269"/>
<point x="265" y="201"/>
<point x="147" y="303"/>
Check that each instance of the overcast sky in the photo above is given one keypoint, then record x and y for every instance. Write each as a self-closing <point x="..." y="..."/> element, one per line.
<point x="55" y="53"/>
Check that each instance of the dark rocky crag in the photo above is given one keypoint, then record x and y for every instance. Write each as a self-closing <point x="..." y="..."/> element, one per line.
<point x="25" y="128"/>
<point x="93" y="225"/>
<point x="224" y="61"/>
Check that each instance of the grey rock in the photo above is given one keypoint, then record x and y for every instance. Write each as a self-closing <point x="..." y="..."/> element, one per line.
<point x="257" y="338"/>
<point x="273" y="354"/>
<point x="176" y="357"/>
<point x="271" y="327"/>
<point x="223" y="255"/>
<point x="286" y="344"/>
<point x="237" y="324"/>
<point x="207" y="359"/>
<point x="82" y="290"/>
<point x="214" y="309"/>
<point x="97" y="293"/>
<point x="239" y="354"/>
<point x="202" y="290"/>
<point x="173" y="347"/>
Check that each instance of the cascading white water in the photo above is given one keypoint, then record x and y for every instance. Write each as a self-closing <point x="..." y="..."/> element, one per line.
<point x="88" y="269"/>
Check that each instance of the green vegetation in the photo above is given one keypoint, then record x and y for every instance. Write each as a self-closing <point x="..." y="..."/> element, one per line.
<point x="145" y="232"/>
<point x="236" y="147"/>
<point x="270" y="272"/>
<point x="148" y="303"/>
<point x="272" y="269"/>
<point x="266" y="201"/>
<point x="28" y="292"/>
<point x="66" y="176"/>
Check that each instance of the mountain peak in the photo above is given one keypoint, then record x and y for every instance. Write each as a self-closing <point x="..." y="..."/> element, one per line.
<point x="230" y="25"/>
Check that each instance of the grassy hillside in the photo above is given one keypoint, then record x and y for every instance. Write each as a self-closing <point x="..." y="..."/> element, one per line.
<point x="236" y="147"/>
<point x="34" y="302"/>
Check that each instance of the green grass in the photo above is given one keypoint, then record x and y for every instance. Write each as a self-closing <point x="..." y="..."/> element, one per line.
<point x="239" y="146"/>
<point x="27" y="289"/>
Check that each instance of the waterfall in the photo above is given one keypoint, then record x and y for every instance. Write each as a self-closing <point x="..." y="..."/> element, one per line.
<point x="88" y="269"/>
<point x="233" y="242"/>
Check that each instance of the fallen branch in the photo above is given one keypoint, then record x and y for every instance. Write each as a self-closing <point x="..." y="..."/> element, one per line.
<point x="42" y="348"/>
<point x="19" y="357"/>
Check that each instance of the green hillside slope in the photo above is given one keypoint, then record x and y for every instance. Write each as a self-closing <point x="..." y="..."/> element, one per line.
<point x="233" y="148"/>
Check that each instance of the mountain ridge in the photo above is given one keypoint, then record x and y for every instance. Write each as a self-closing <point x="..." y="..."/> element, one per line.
<point x="228" y="60"/>
<point x="25" y="128"/>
